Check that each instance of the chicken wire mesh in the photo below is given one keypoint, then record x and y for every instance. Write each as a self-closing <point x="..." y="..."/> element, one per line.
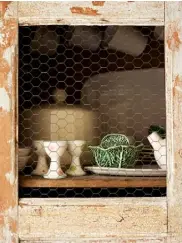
<point x="92" y="113"/>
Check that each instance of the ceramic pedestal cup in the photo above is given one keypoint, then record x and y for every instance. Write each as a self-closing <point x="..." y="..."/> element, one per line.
<point x="159" y="146"/>
<point x="41" y="167"/>
<point x="55" y="150"/>
<point x="75" y="148"/>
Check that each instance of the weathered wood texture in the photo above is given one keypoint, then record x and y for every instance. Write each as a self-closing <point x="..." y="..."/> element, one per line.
<point x="174" y="238"/>
<point x="173" y="52"/>
<point x="85" y="218"/>
<point x="89" y="13"/>
<point x="93" y="182"/>
<point x="8" y="175"/>
<point x="124" y="239"/>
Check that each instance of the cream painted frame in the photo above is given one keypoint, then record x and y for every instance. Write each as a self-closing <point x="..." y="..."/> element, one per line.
<point x="135" y="220"/>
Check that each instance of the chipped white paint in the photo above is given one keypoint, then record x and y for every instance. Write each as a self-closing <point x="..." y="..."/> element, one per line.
<point x="8" y="180"/>
<point x="111" y="13"/>
<point x="3" y="39"/>
<point x="1" y="35"/>
<point x="173" y="57"/>
<point x="178" y="88"/>
<point x="12" y="211"/>
<point x="11" y="10"/>
<point x="10" y="177"/>
<point x="90" y="217"/>
<point x="8" y="215"/>
<point x="9" y="81"/>
<point x="124" y="239"/>
<point x="5" y="103"/>
<point x="7" y="234"/>
<point x="7" y="55"/>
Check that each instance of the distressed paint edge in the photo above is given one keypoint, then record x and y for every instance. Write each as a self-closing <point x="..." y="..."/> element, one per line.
<point x="89" y="21"/>
<point x="59" y="210"/>
<point x="92" y="201"/>
<point x="98" y="3"/>
<point x="8" y="45"/>
<point x="161" y="238"/>
<point x="173" y="52"/>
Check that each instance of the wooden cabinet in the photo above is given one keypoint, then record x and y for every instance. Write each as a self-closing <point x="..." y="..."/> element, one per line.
<point x="138" y="220"/>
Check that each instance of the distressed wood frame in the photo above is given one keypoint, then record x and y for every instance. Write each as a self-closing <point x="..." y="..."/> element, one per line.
<point x="124" y="220"/>
<point x="8" y="134"/>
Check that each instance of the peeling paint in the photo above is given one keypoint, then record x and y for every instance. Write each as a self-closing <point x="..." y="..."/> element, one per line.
<point x="7" y="55"/>
<point x="177" y="85"/>
<point x="8" y="33"/>
<point x="4" y="6"/>
<point x="173" y="40"/>
<point x="9" y="219"/>
<point x="10" y="177"/>
<point x="125" y="217"/>
<point x="84" y="11"/>
<point x="98" y="3"/>
<point x="7" y="234"/>
<point x="8" y="195"/>
<point x="4" y="100"/>
<point x="12" y="212"/>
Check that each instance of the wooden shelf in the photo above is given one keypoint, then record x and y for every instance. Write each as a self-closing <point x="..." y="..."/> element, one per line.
<point x="93" y="181"/>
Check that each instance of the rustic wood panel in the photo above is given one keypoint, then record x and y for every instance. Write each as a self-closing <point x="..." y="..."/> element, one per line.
<point x="124" y="239"/>
<point x="173" y="51"/>
<point x="93" y="182"/>
<point x="90" y="218"/>
<point x="8" y="175"/>
<point x="76" y="13"/>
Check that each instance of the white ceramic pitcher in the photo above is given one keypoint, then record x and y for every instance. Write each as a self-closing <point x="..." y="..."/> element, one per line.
<point x="159" y="146"/>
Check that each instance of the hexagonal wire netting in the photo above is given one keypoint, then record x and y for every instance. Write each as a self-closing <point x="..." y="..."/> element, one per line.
<point x="91" y="111"/>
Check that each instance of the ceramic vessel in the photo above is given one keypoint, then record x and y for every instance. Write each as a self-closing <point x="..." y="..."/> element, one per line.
<point x="22" y="161"/>
<point x="122" y="156"/>
<point x="60" y="122"/>
<point x="55" y="150"/>
<point x="45" y="41"/>
<point x="159" y="146"/>
<point x="116" y="151"/>
<point x="111" y="140"/>
<point x="53" y="121"/>
<point x="41" y="167"/>
<point x="75" y="148"/>
<point x="24" y="151"/>
<point x="120" y="97"/>
<point x="87" y="37"/>
<point x="125" y="39"/>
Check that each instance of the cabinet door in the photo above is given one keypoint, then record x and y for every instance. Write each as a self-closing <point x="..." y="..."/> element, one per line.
<point x="89" y="220"/>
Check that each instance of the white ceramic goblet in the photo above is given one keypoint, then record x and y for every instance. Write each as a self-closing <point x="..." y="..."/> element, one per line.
<point x="55" y="149"/>
<point x="41" y="167"/>
<point x="75" y="148"/>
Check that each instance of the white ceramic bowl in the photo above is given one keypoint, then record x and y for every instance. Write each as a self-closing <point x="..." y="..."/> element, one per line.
<point x="22" y="161"/>
<point x="24" y="151"/>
